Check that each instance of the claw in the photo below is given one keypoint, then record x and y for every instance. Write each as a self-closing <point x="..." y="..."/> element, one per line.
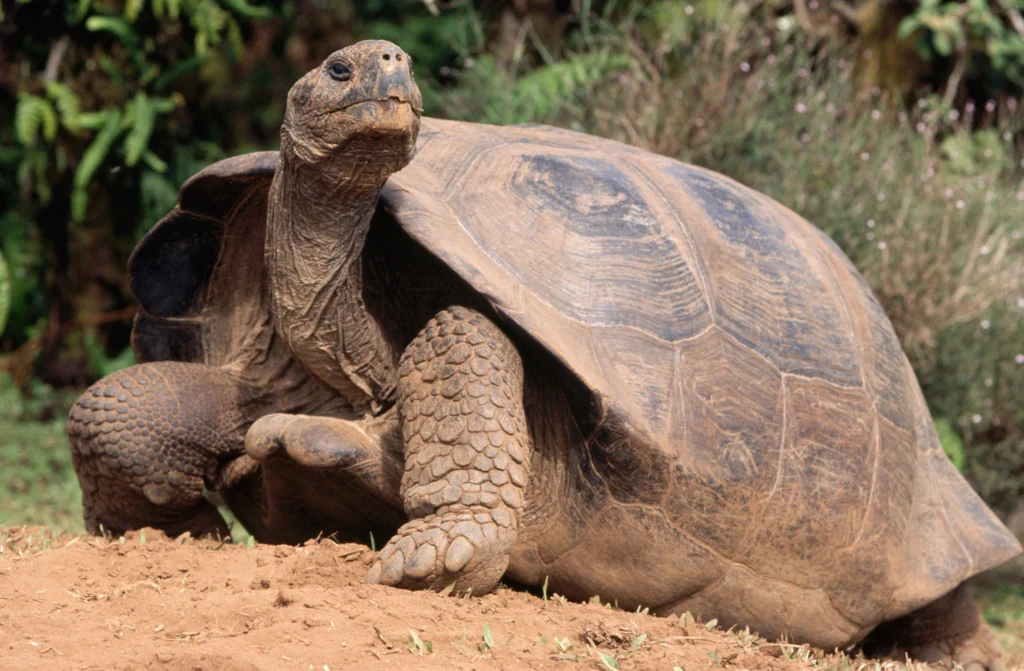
<point x="459" y="554"/>
<point x="422" y="562"/>
<point x="392" y="572"/>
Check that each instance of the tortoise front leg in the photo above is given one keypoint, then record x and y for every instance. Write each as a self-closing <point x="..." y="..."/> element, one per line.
<point x="467" y="457"/>
<point x="145" y="440"/>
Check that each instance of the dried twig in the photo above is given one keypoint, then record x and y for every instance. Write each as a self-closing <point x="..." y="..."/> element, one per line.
<point x="54" y="59"/>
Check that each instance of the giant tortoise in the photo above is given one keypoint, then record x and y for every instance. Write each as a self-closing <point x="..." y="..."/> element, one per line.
<point x="533" y="353"/>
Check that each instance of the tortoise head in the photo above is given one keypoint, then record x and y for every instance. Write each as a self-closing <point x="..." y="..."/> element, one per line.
<point x="361" y="101"/>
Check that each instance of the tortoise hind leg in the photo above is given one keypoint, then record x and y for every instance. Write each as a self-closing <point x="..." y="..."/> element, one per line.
<point x="948" y="631"/>
<point x="145" y="440"/>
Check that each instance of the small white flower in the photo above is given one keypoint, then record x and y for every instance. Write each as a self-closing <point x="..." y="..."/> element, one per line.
<point x="954" y="115"/>
<point x="959" y="204"/>
<point x="1019" y="358"/>
<point x="801" y="108"/>
<point x="805" y="137"/>
<point x="988" y="382"/>
<point x="985" y="323"/>
<point x="882" y="245"/>
<point x="984" y="250"/>
<point x="876" y="115"/>
<point x="870" y="236"/>
<point x="920" y="127"/>
<point x="881" y="197"/>
<point x="745" y="66"/>
<point x="689" y="10"/>
<point x="976" y="419"/>
<point x="864" y="156"/>
<point x="871" y="223"/>
<point x="1020" y="302"/>
<point x="990" y="106"/>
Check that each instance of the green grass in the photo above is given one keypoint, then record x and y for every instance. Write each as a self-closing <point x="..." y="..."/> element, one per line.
<point x="37" y="481"/>
<point x="1003" y="605"/>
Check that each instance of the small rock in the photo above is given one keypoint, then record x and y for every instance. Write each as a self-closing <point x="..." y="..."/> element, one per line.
<point x="259" y="583"/>
<point x="284" y="597"/>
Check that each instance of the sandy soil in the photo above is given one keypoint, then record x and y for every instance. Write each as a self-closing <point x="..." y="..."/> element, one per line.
<point x="149" y="602"/>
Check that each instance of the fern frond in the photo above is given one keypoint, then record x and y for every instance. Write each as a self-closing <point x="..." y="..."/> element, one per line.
<point x="92" y="159"/>
<point x="40" y="162"/>
<point x="545" y="90"/>
<point x="132" y="9"/>
<point x="142" y="118"/>
<point x="67" y="103"/>
<point x="154" y="162"/>
<point x="32" y="173"/>
<point x="113" y="24"/>
<point x="32" y="115"/>
<point x="81" y="9"/>
<point x="93" y="120"/>
<point x="245" y="9"/>
<point x="235" y="40"/>
<point x="79" y="201"/>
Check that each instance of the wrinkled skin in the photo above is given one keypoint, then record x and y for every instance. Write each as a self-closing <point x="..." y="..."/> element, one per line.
<point x="450" y="435"/>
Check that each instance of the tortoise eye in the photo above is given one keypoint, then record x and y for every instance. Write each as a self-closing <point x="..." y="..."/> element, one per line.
<point x="340" y="71"/>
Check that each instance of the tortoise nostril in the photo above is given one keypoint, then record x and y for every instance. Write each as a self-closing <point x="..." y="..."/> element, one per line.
<point x="398" y="57"/>
<point x="387" y="57"/>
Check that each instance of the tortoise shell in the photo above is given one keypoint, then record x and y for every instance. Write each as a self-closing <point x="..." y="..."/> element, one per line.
<point x="729" y="345"/>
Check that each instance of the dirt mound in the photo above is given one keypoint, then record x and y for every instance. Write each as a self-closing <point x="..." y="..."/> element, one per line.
<point x="148" y="602"/>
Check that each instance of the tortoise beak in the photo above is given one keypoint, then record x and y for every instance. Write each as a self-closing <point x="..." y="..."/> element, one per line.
<point x="390" y="71"/>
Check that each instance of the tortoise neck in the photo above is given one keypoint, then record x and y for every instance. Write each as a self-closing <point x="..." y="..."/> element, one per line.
<point x="317" y="222"/>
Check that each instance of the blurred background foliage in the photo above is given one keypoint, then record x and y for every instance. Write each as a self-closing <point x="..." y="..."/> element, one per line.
<point x="891" y="124"/>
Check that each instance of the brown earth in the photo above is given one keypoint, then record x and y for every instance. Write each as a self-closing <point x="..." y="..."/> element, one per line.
<point x="149" y="602"/>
